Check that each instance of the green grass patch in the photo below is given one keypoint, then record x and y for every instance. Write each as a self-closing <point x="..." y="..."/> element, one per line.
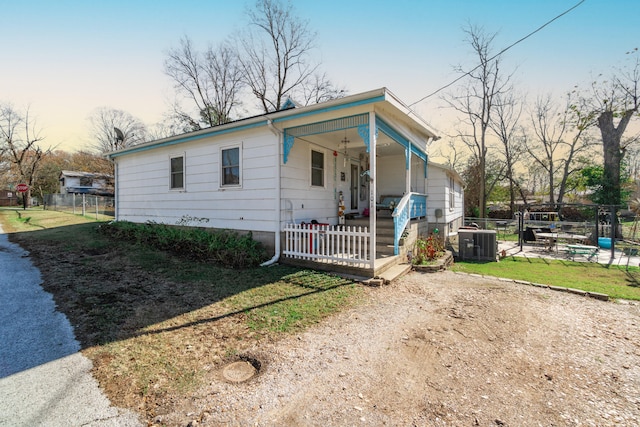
<point x="155" y="320"/>
<point x="303" y="298"/>
<point x="615" y="281"/>
<point x="36" y="219"/>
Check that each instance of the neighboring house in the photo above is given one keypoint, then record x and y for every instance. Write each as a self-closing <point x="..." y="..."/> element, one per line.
<point x="291" y="178"/>
<point x="74" y="182"/>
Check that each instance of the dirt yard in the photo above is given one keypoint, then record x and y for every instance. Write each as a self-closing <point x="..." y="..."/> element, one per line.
<point x="441" y="349"/>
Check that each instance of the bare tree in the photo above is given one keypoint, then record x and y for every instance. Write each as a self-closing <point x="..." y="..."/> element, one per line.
<point x="19" y="143"/>
<point x="578" y="143"/>
<point x="477" y="104"/>
<point x="505" y="123"/>
<point x="452" y="152"/>
<point x="276" y="58"/>
<point x="114" y="129"/>
<point x="320" y="89"/>
<point x="559" y="138"/>
<point x="211" y="81"/>
<point x="544" y="148"/>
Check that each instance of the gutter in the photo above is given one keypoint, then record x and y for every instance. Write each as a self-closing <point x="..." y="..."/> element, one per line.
<point x="276" y="255"/>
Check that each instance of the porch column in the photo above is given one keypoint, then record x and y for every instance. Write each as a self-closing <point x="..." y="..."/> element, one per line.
<point x="372" y="187"/>
<point x="407" y="153"/>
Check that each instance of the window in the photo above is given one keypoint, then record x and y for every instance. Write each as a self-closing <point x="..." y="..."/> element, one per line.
<point x="230" y="166"/>
<point x="177" y="172"/>
<point x="452" y="193"/>
<point x="317" y="169"/>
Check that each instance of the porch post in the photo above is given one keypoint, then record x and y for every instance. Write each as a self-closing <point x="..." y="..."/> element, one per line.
<point x="372" y="187"/>
<point x="407" y="185"/>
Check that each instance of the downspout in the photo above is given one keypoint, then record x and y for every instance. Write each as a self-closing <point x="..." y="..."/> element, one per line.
<point x="116" y="191"/>
<point x="276" y="255"/>
<point x="116" y="204"/>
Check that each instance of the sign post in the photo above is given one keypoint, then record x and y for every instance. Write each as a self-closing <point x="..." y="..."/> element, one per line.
<point x="23" y="188"/>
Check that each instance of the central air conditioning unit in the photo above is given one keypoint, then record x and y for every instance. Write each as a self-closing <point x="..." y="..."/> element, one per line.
<point x="477" y="245"/>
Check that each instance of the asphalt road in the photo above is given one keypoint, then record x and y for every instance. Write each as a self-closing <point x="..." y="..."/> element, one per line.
<point x="44" y="379"/>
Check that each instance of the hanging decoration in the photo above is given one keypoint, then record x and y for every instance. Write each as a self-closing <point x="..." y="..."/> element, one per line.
<point x="335" y="175"/>
<point x="345" y="141"/>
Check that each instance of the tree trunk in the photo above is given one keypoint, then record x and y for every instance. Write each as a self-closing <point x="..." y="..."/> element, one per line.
<point x="482" y="202"/>
<point x="612" y="158"/>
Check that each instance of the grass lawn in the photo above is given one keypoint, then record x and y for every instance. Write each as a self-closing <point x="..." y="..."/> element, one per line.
<point x="32" y="219"/>
<point x="615" y="281"/>
<point x="154" y="324"/>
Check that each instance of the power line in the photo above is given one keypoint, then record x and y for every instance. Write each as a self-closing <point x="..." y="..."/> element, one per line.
<point x="499" y="53"/>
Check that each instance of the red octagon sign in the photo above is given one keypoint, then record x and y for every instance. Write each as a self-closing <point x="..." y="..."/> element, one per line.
<point x="22" y="188"/>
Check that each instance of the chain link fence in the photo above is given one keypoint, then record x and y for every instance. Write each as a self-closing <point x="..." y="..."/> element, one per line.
<point x="81" y="204"/>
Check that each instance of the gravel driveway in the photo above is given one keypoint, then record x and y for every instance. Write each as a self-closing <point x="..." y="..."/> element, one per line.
<point x="442" y="349"/>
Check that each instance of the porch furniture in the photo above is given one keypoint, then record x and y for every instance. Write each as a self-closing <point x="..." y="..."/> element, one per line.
<point x="388" y="202"/>
<point x="587" y="251"/>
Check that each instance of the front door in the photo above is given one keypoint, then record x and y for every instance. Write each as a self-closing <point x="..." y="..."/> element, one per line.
<point x="355" y="176"/>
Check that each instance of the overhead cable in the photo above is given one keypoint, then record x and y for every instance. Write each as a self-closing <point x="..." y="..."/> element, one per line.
<point x="498" y="54"/>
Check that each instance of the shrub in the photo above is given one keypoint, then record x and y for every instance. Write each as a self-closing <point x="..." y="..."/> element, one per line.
<point x="223" y="247"/>
<point x="427" y="250"/>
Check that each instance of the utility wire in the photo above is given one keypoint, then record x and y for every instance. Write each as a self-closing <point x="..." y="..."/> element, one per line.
<point x="499" y="53"/>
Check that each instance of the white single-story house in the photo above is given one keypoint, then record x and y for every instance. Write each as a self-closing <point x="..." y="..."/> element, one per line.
<point x="340" y="183"/>
<point x="75" y="182"/>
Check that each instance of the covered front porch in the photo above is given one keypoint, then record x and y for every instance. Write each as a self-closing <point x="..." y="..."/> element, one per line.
<point x="367" y="200"/>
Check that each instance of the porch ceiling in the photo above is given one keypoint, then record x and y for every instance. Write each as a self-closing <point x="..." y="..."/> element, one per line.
<point x="385" y="146"/>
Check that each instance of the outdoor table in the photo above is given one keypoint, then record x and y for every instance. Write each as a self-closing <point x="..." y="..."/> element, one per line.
<point x="551" y="239"/>
<point x="588" y="251"/>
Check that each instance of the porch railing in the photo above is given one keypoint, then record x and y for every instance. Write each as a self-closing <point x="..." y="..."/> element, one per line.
<point x="343" y="245"/>
<point x="412" y="205"/>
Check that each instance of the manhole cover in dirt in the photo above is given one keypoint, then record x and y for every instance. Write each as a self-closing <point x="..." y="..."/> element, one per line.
<point x="239" y="371"/>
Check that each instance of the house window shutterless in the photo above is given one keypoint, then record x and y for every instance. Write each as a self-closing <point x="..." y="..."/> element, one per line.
<point x="317" y="169"/>
<point x="176" y="181"/>
<point x="452" y="193"/>
<point x="231" y="167"/>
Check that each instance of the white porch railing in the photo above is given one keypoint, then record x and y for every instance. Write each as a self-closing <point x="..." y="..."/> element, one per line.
<point x="412" y="205"/>
<point x="342" y="245"/>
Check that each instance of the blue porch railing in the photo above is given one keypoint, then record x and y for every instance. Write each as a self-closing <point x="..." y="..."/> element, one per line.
<point x="412" y="205"/>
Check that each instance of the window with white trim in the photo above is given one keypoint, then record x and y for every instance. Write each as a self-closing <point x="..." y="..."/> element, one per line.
<point x="176" y="180"/>
<point x="230" y="168"/>
<point x="452" y="193"/>
<point x="317" y="169"/>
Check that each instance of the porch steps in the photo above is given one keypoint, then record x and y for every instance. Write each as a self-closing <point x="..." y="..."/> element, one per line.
<point x="384" y="234"/>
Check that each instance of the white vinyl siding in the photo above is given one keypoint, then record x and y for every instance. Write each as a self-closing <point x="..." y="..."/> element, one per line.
<point x="143" y="179"/>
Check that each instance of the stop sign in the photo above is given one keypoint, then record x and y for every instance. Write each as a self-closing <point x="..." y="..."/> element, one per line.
<point x="22" y="188"/>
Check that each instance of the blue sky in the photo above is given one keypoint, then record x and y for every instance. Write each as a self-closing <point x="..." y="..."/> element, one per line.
<point x="66" y="58"/>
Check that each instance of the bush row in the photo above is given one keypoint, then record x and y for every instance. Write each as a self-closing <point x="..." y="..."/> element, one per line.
<point x="223" y="247"/>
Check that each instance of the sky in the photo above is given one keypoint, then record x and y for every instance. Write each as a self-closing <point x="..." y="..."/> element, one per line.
<point x="64" y="59"/>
